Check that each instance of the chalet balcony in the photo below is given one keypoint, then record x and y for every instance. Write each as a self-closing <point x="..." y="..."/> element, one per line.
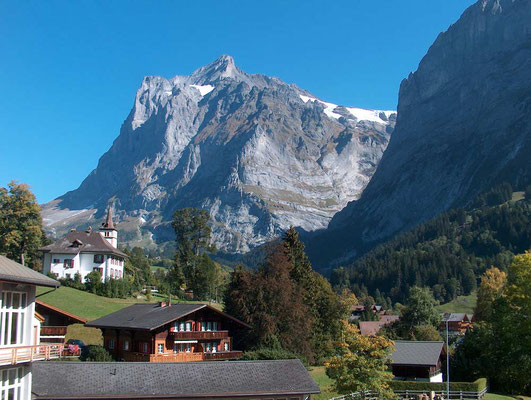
<point x="24" y="354"/>
<point x="198" y="335"/>
<point x="53" y="330"/>
<point x="182" y="357"/>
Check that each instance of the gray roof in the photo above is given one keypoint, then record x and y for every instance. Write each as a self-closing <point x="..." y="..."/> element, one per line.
<point x="12" y="271"/>
<point x="151" y="316"/>
<point x="416" y="353"/>
<point x="89" y="380"/>
<point x="90" y="242"/>
<point x="454" y="317"/>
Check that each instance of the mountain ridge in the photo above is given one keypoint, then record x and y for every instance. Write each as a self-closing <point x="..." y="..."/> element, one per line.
<point x="257" y="153"/>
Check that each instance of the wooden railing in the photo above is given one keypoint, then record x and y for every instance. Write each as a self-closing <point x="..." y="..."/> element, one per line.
<point x="53" y="330"/>
<point x="182" y="357"/>
<point x="23" y="354"/>
<point x="223" y="355"/>
<point x="199" y="335"/>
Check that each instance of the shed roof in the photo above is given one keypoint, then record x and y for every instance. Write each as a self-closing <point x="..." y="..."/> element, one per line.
<point x="370" y="328"/>
<point x="416" y="353"/>
<point x="39" y="304"/>
<point x="82" y="241"/>
<point x="12" y="271"/>
<point x="152" y="316"/>
<point x="89" y="380"/>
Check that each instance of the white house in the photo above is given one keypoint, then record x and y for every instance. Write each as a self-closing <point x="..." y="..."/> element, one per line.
<point x="86" y="251"/>
<point x="19" y="336"/>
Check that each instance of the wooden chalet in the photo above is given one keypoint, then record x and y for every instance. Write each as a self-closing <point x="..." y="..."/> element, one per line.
<point x="251" y="380"/>
<point x="54" y="322"/>
<point x="418" y="360"/>
<point x="458" y="323"/>
<point x="169" y="333"/>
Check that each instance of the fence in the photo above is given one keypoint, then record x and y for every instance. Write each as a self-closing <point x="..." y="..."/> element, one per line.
<point x="413" y="394"/>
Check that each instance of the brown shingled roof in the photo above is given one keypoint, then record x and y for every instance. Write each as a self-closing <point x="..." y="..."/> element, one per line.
<point x="82" y="241"/>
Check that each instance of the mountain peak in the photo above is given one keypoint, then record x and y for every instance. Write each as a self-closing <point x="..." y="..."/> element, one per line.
<point x="222" y="67"/>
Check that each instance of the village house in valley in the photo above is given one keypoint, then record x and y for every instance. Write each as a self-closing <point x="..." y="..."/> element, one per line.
<point x="86" y="251"/>
<point x="169" y="333"/>
<point x="418" y="360"/>
<point x="458" y="323"/>
<point x="19" y="336"/>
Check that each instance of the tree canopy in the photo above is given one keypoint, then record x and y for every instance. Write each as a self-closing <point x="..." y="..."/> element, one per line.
<point x="21" y="232"/>
<point x="361" y="364"/>
<point x="499" y="346"/>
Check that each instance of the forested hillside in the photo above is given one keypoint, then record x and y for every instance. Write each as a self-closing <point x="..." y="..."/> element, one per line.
<point x="447" y="253"/>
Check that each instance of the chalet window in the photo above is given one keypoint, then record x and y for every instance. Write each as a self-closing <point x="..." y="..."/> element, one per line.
<point x="160" y="348"/>
<point x="100" y="270"/>
<point x="208" y="347"/>
<point x="209" y="326"/>
<point x="226" y="346"/>
<point x="145" y="348"/>
<point x="214" y="326"/>
<point x="188" y="347"/>
<point x="176" y="348"/>
<point x="181" y="326"/>
<point x="188" y="326"/>
<point x="98" y="258"/>
<point x="12" y="318"/>
<point x="12" y="383"/>
<point x="126" y="345"/>
<point x="203" y="326"/>
<point x="56" y="261"/>
<point x="111" y="344"/>
<point x="68" y="276"/>
<point x="68" y="263"/>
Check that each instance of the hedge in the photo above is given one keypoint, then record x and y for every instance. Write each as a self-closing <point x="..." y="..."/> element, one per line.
<point x="476" y="386"/>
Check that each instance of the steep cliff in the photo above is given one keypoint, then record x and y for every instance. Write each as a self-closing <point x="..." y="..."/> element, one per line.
<point x="463" y="126"/>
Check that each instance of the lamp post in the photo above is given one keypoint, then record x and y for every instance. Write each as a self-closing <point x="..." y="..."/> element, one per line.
<point x="447" y="360"/>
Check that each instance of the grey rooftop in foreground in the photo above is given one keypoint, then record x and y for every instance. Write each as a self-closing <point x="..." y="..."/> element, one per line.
<point x="12" y="271"/>
<point x="416" y="353"/>
<point x="151" y="316"/>
<point x="114" y="380"/>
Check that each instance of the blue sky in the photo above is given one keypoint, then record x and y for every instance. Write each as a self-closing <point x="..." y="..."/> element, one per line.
<point x="70" y="69"/>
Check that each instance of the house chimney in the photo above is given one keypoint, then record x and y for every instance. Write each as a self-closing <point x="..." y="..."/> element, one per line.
<point x="162" y="304"/>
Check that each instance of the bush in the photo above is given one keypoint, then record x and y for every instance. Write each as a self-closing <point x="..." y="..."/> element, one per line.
<point x="476" y="386"/>
<point x="95" y="353"/>
<point x="269" y="354"/>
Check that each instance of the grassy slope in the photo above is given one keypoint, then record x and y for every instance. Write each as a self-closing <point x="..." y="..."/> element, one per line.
<point x="462" y="304"/>
<point x="89" y="306"/>
<point x="325" y="383"/>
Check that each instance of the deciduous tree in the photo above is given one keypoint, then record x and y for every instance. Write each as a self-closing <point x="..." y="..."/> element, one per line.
<point x="491" y="288"/>
<point x="21" y="231"/>
<point x="361" y="364"/>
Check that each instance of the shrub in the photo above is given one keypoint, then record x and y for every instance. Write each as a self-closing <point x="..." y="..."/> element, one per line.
<point x="95" y="353"/>
<point x="476" y="386"/>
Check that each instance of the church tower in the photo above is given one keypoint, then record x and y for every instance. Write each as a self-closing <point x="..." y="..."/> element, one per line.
<point x="108" y="231"/>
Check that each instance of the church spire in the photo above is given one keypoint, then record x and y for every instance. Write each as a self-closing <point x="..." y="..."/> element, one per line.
<point x="108" y="224"/>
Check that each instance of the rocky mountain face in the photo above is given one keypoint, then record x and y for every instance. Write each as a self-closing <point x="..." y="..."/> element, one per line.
<point x="463" y="126"/>
<point x="257" y="153"/>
